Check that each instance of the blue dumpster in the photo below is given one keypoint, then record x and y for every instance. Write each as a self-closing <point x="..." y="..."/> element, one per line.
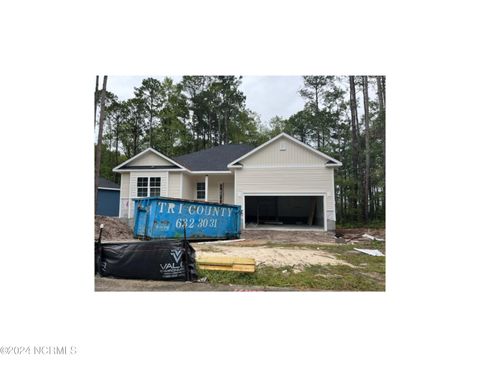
<point x="161" y="217"/>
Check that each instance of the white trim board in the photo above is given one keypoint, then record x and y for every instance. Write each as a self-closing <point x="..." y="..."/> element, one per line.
<point x="210" y="172"/>
<point x="335" y="164"/>
<point x="127" y="170"/>
<point x="108" y="188"/>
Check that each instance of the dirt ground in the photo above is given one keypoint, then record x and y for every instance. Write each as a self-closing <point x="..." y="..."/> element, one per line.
<point x="114" y="229"/>
<point x="257" y="244"/>
<point x="128" y="285"/>
<point x="260" y="237"/>
<point x="295" y="256"/>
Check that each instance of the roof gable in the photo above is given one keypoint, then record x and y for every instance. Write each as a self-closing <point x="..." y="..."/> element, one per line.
<point x="149" y="159"/>
<point x="286" y="149"/>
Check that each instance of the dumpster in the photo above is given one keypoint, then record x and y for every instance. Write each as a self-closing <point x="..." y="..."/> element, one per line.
<point x="161" y="217"/>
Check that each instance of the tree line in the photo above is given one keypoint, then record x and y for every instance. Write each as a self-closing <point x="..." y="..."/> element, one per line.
<point x="343" y="116"/>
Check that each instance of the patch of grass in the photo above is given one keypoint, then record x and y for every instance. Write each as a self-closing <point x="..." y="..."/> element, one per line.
<point x="369" y="263"/>
<point x="377" y="224"/>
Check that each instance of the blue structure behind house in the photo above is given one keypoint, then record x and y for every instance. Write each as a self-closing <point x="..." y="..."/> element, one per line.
<point x="161" y="217"/>
<point x="108" y="198"/>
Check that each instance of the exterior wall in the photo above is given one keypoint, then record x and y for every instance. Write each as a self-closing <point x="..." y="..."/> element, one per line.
<point x="124" y="194"/>
<point x="187" y="187"/>
<point x="128" y="189"/>
<point x="150" y="159"/>
<point x="214" y="188"/>
<point x="286" y="180"/>
<point x="174" y="184"/>
<point x="295" y="170"/>
<point x="293" y="156"/>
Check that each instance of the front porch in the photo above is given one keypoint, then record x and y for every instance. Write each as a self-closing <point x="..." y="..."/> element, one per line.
<point x="213" y="187"/>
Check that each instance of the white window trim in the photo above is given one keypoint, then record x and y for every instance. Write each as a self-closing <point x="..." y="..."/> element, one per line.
<point x="196" y="190"/>
<point x="149" y="186"/>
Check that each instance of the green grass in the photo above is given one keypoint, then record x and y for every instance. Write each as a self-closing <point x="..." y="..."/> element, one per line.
<point x="368" y="274"/>
<point x="375" y="224"/>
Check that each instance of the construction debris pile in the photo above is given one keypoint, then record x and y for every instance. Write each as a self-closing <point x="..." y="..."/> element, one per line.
<point x="114" y="229"/>
<point x="359" y="235"/>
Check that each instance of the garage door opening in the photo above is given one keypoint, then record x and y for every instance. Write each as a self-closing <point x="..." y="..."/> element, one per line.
<point x="294" y="212"/>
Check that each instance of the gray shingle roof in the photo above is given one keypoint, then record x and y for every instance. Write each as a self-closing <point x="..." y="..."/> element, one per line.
<point x="103" y="182"/>
<point x="213" y="159"/>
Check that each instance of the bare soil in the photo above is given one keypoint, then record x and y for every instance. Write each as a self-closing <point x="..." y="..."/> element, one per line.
<point x="259" y="237"/>
<point x="114" y="229"/>
<point x="128" y="285"/>
<point x="294" y="256"/>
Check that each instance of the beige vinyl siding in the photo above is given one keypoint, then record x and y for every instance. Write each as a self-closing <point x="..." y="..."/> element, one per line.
<point x="125" y="185"/>
<point x="287" y="180"/>
<point x="174" y="184"/>
<point x="294" y="155"/>
<point x="124" y="194"/>
<point x="187" y="187"/>
<point x="133" y="185"/>
<point x="214" y="188"/>
<point x="149" y="159"/>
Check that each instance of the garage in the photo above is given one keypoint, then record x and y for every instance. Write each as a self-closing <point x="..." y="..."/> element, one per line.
<point x="284" y="211"/>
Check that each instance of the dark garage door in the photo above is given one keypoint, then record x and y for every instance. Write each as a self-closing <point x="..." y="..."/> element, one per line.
<point x="284" y="210"/>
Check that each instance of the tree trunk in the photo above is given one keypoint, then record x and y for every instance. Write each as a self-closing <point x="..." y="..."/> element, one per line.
<point x="367" y="150"/>
<point x="95" y="107"/>
<point x="117" y="122"/>
<point x="219" y="132"/>
<point x="353" y="110"/>
<point x="381" y="106"/>
<point x="225" y="141"/>
<point x="151" y="119"/>
<point x="99" y="140"/>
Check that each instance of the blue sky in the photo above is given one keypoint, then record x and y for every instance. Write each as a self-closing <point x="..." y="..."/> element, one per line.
<point x="267" y="95"/>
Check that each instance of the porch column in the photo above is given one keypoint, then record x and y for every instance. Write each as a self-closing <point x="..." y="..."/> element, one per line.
<point x="206" y="188"/>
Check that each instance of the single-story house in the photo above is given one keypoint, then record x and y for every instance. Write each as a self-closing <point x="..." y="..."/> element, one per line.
<point x="282" y="182"/>
<point x="108" y="198"/>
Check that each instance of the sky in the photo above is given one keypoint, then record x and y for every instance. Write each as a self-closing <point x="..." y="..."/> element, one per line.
<point x="269" y="96"/>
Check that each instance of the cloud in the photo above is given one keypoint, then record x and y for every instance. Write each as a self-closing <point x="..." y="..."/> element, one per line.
<point x="272" y="96"/>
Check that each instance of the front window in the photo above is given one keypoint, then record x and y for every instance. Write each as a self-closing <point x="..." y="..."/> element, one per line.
<point x="201" y="190"/>
<point x="148" y="186"/>
<point x="155" y="183"/>
<point x="142" y="186"/>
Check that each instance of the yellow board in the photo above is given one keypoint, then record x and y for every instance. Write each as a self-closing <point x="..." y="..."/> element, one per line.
<point x="240" y="264"/>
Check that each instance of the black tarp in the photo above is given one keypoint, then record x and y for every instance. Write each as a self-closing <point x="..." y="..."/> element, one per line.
<point x="155" y="260"/>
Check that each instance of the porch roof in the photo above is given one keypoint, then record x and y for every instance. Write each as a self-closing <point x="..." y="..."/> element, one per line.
<point x="213" y="159"/>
